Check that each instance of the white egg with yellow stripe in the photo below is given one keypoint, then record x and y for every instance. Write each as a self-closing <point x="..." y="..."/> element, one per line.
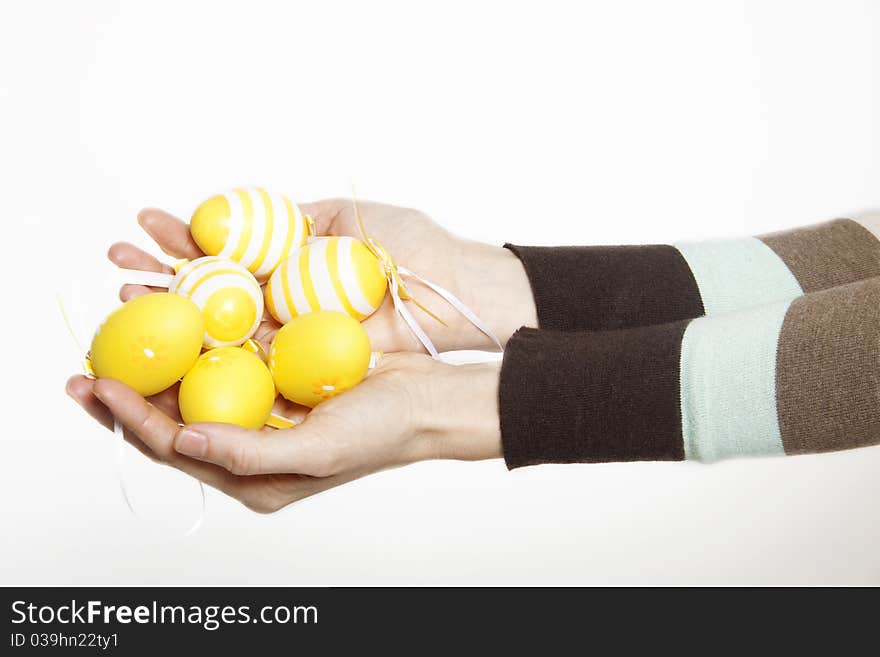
<point x="228" y="295"/>
<point x="328" y="273"/>
<point x="252" y="226"/>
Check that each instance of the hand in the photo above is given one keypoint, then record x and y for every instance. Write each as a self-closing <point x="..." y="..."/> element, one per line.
<point x="488" y="279"/>
<point x="410" y="408"/>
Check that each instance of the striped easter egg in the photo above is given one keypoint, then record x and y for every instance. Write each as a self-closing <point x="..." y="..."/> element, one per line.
<point x="256" y="228"/>
<point x="328" y="273"/>
<point x="228" y="296"/>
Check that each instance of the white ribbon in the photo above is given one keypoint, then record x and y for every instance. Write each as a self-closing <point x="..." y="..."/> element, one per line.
<point x="393" y="274"/>
<point x="149" y="278"/>
<point x="456" y="303"/>
<point x="403" y="311"/>
<point x="119" y="442"/>
<point x="119" y="462"/>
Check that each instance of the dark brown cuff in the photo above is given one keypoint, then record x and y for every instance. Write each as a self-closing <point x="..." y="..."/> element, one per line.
<point x="592" y="397"/>
<point x="588" y="288"/>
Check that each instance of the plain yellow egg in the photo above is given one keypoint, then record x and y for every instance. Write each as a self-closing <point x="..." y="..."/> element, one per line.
<point x="149" y="343"/>
<point x="227" y="384"/>
<point x="252" y="226"/>
<point x="318" y="355"/>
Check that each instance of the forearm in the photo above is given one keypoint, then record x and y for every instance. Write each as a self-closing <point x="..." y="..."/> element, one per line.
<point x="499" y="285"/>
<point x="461" y="418"/>
<point x="610" y="287"/>
<point x="785" y="378"/>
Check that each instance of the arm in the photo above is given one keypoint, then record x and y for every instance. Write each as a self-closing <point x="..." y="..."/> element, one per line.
<point x="791" y="377"/>
<point x="567" y="288"/>
<point x="784" y="378"/>
<point x="610" y="287"/>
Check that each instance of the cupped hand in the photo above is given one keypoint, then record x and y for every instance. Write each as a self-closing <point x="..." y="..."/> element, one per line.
<point x="410" y="408"/>
<point x="490" y="280"/>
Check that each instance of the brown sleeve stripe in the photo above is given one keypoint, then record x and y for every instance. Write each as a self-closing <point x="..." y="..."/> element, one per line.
<point x="828" y="370"/>
<point x="598" y="288"/>
<point x="783" y="378"/>
<point x="590" y="397"/>
<point x="828" y="254"/>
<point x="589" y="288"/>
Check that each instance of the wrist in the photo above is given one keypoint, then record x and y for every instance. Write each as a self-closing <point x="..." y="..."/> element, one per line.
<point x="461" y="419"/>
<point x="501" y="291"/>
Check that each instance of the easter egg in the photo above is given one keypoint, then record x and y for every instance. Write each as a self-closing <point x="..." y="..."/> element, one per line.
<point x="149" y="342"/>
<point x="318" y="355"/>
<point x="329" y="273"/>
<point x="227" y="384"/>
<point x="228" y="295"/>
<point x="254" y="227"/>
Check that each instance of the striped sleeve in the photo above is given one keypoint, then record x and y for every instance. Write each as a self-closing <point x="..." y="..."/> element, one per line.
<point x="788" y="377"/>
<point x="610" y="287"/>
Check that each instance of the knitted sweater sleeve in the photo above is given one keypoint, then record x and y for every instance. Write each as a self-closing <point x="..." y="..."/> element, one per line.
<point x="788" y="377"/>
<point x="612" y="287"/>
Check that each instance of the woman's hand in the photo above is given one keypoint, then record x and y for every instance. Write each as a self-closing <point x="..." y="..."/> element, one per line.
<point x="410" y="408"/>
<point x="488" y="279"/>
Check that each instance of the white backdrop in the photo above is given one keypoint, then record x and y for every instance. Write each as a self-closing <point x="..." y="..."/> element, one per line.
<point x="535" y="123"/>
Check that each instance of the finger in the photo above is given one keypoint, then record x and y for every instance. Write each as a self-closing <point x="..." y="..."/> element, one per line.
<point x="170" y="233"/>
<point x="128" y="256"/>
<point x="268" y="501"/>
<point x="146" y="420"/>
<point x="80" y="389"/>
<point x="325" y="213"/>
<point x="314" y="485"/>
<point x="266" y="330"/>
<point x="290" y="410"/>
<point x="129" y="291"/>
<point x="166" y="401"/>
<point x="156" y="430"/>
<point x="247" y="452"/>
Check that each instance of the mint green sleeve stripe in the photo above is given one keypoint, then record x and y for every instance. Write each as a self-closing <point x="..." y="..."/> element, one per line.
<point x="738" y="273"/>
<point x="728" y="384"/>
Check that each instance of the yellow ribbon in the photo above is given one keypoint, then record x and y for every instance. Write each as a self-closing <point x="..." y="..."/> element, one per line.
<point x="399" y="292"/>
<point x="276" y="421"/>
<point x="392" y="271"/>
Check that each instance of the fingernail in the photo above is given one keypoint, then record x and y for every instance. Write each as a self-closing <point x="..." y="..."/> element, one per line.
<point x="191" y="443"/>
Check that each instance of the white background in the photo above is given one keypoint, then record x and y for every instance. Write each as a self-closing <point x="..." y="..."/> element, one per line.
<point x="536" y="122"/>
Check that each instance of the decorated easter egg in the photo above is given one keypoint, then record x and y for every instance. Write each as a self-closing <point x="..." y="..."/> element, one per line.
<point x="318" y="355"/>
<point x="254" y="227"/>
<point x="227" y="384"/>
<point x="149" y="342"/>
<point x="329" y="273"/>
<point x="228" y="295"/>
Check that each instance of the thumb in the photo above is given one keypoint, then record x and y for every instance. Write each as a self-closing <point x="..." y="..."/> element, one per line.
<point x="246" y="452"/>
<point x="325" y="213"/>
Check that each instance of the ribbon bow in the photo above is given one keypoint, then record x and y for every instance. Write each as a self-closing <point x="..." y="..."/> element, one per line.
<point x="395" y="274"/>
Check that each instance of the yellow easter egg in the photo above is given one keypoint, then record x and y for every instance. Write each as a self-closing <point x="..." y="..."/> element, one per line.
<point x="148" y="343"/>
<point x="227" y="384"/>
<point x="228" y="295"/>
<point x="318" y="355"/>
<point x="254" y="227"/>
<point x="329" y="273"/>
